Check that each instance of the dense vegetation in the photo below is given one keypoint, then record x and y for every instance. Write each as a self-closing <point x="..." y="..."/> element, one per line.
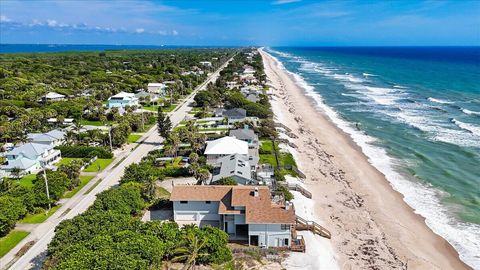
<point x="87" y="79"/>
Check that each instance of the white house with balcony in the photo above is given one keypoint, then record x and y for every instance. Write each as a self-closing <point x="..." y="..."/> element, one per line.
<point x="30" y="158"/>
<point x="122" y="99"/>
<point x="246" y="213"/>
<point x="223" y="147"/>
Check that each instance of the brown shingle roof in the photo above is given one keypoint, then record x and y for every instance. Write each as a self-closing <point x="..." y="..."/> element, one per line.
<point x="258" y="210"/>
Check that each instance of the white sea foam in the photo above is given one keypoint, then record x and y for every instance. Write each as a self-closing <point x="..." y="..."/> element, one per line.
<point x="441" y="101"/>
<point x="468" y="127"/>
<point x="466" y="111"/>
<point x="400" y="87"/>
<point x="368" y="75"/>
<point x="347" y="77"/>
<point x="426" y="200"/>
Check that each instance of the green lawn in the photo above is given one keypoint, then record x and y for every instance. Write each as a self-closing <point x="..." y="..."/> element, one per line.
<point x="66" y="160"/>
<point x="26" y="181"/>
<point x="84" y="122"/>
<point x="101" y="162"/>
<point x="10" y="240"/>
<point x="40" y="217"/>
<point x="84" y="179"/>
<point x="267" y="145"/>
<point x="133" y="138"/>
<point x="212" y="129"/>
<point x="154" y="108"/>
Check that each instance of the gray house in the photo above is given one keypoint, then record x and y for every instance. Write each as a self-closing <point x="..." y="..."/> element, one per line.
<point x="30" y="158"/>
<point x="53" y="137"/>
<point x="247" y="135"/>
<point x="236" y="166"/>
<point x="246" y="213"/>
<point x="235" y="115"/>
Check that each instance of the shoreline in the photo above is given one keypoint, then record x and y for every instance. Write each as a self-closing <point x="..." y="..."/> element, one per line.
<point x="371" y="224"/>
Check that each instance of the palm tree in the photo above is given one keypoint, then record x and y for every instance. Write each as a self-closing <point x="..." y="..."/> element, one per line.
<point x="202" y="176"/>
<point x="190" y="251"/>
<point x="150" y="188"/>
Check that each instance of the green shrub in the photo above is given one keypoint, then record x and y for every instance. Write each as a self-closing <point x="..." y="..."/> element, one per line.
<point x="78" y="151"/>
<point x="11" y="209"/>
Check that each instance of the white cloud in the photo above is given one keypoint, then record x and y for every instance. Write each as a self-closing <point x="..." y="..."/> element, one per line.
<point x="52" y="23"/>
<point x="139" y="30"/>
<point x="4" y="18"/>
<point x="281" y="2"/>
<point x="174" y="32"/>
<point x="162" y="32"/>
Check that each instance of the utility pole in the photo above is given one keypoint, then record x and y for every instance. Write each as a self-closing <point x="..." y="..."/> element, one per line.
<point x="110" y="138"/>
<point x="46" y="187"/>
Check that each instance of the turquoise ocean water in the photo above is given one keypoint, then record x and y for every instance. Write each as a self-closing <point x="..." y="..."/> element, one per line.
<point x="415" y="112"/>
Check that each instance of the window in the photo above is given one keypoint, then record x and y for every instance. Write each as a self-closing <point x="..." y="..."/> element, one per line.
<point x="284" y="227"/>
<point x="183" y="202"/>
<point x="208" y="202"/>
<point x="242" y="211"/>
<point x="285" y="241"/>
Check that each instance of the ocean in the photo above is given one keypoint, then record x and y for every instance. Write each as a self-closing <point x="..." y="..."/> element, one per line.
<point x="415" y="112"/>
<point x="42" y="48"/>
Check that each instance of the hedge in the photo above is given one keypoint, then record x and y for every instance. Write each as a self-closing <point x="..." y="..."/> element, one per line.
<point x="78" y="151"/>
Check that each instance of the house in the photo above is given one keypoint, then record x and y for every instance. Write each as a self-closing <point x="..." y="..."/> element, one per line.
<point x="231" y="84"/>
<point x="235" y="115"/>
<point x="157" y="88"/>
<point x="206" y="63"/>
<point x="30" y="158"/>
<point x="53" y="137"/>
<point x="235" y="166"/>
<point x="225" y="146"/>
<point x="219" y="112"/>
<point x="122" y="99"/>
<point x="253" y="97"/>
<point x="143" y="96"/>
<point x="247" y="135"/>
<point x="53" y="96"/>
<point x="246" y="213"/>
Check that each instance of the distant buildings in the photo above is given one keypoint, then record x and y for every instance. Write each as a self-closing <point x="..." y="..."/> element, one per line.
<point x="206" y="63"/>
<point x="122" y="99"/>
<point x="30" y="158"/>
<point x="246" y="213"/>
<point x="53" y="96"/>
<point x="157" y="88"/>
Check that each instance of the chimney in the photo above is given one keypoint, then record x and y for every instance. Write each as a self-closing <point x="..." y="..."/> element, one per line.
<point x="255" y="193"/>
<point x="245" y="126"/>
<point x="287" y="206"/>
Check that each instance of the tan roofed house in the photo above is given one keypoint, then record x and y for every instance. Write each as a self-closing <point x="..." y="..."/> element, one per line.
<point x="246" y="213"/>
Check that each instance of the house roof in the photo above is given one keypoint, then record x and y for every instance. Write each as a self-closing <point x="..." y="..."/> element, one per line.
<point x="235" y="113"/>
<point x="234" y="165"/>
<point x="53" y="95"/>
<point x="21" y="163"/>
<point x="253" y="97"/>
<point x="243" y="134"/>
<point x="123" y="95"/>
<point x="258" y="209"/>
<point x="51" y="136"/>
<point x="156" y="85"/>
<point x="30" y="150"/>
<point x="226" y="146"/>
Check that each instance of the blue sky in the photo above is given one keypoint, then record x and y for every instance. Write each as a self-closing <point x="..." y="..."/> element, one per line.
<point x="272" y="22"/>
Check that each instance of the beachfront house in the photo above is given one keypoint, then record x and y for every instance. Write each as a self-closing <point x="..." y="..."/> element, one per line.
<point x="53" y="96"/>
<point x="235" y="166"/>
<point x="157" y="88"/>
<point x="30" y="158"/>
<point x="53" y="137"/>
<point x="235" y="115"/>
<point x="223" y="147"/>
<point x="247" y="135"/>
<point x="246" y="213"/>
<point x="122" y="99"/>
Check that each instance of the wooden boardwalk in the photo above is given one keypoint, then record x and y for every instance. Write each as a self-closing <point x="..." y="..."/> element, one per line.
<point x="304" y="225"/>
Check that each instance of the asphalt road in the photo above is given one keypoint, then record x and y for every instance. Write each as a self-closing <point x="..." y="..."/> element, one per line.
<point x="43" y="234"/>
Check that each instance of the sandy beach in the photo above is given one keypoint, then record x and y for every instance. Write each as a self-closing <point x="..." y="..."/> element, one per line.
<point x="372" y="227"/>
